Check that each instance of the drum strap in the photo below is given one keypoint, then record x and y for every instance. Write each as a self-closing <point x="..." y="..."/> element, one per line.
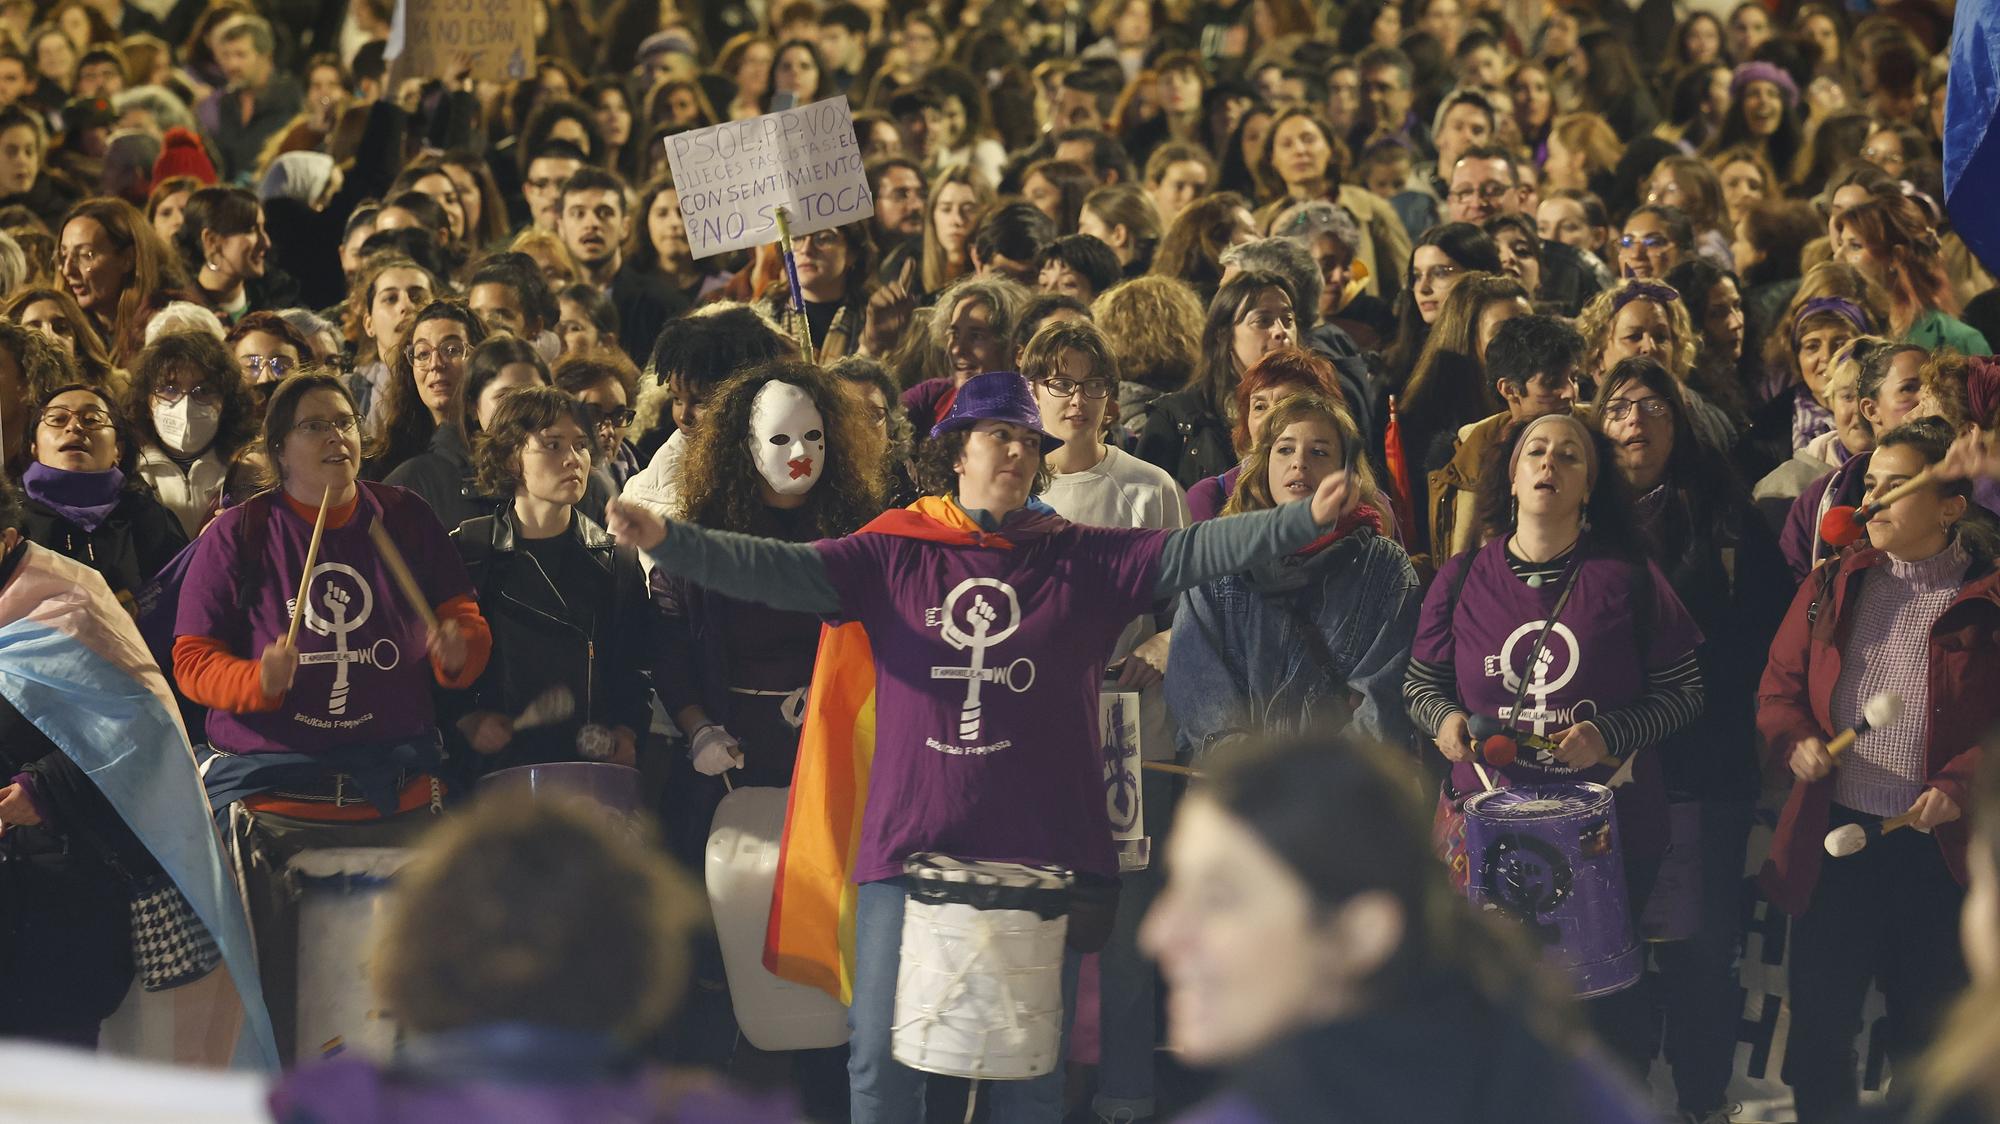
<point x="1541" y="641"/>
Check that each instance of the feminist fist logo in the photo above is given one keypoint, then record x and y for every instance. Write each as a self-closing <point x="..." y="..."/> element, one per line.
<point x="339" y="601"/>
<point x="976" y="634"/>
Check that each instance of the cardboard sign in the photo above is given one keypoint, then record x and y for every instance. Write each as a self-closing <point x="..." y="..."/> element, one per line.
<point x="427" y="36"/>
<point x="733" y="177"/>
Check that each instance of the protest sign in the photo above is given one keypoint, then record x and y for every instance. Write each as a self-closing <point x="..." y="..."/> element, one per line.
<point x="733" y="177"/>
<point x="426" y="37"/>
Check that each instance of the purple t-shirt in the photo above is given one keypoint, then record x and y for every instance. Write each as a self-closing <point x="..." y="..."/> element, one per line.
<point x="364" y="677"/>
<point x="987" y="664"/>
<point x="1591" y="664"/>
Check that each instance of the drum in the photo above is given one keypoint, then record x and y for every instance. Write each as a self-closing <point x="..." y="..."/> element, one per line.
<point x="979" y="988"/>
<point x="614" y="786"/>
<point x="1549" y="857"/>
<point x="340" y="902"/>
<point x="742" y="867"/>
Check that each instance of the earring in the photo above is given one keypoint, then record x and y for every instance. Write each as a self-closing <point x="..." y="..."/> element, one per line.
<point x="1583" y="517"/>
<point x="1514" y="510"/>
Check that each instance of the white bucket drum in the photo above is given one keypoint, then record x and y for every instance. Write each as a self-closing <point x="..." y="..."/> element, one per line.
<point x="340" y="903"/>
<point x="742" y="867"/>
<point x="979" y="988"/>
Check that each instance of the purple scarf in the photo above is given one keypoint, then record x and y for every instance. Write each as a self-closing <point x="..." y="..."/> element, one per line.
<point x="86" y="499"/>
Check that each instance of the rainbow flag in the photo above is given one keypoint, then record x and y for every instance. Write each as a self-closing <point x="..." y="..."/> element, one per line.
<point x="73" y="663"/>
<point x="810" y="939"/>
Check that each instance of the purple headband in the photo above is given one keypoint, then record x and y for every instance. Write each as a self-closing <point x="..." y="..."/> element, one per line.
<point x="1661" y="295"/>
<point x="1764" y="72"/>
<point x="1839" y="306"/>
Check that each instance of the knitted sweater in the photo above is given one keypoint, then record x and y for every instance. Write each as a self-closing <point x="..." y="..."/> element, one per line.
<point x="1889" y="651"/>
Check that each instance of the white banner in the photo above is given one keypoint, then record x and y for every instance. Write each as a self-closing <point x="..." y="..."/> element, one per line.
<point x="733" y="177"/>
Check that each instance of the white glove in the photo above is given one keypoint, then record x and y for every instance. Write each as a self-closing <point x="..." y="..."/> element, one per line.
<point x="714" y="751"/>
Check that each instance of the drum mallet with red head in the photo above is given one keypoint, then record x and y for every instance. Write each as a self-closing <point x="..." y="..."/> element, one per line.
<point x="1843" y="525"/>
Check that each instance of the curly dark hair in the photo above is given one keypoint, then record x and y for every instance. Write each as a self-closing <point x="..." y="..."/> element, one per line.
<point x="176" y="352"/>
<point x="496" y="452"/>
<point x="1608" y="507"/>
<point x="937" y="466"/>
<point x="407" y="425"/>
<point x="43" y="364"/>
<point x="720" y="487"/>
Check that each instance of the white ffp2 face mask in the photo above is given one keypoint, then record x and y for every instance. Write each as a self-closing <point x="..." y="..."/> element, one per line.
<point x="787" y="438"/>
<point x="186" y="427"/>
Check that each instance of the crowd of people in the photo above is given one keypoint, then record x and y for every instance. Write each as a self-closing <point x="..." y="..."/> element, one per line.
<point x="1494" y="383"/>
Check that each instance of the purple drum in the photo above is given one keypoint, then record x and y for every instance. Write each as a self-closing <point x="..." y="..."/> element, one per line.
<point x="1548" y="856"/>
<point x="614" y="786"/>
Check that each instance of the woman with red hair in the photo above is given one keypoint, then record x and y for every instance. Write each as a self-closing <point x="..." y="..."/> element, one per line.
<point x="1890" y="241"/>
<point x="1277" y="376"/>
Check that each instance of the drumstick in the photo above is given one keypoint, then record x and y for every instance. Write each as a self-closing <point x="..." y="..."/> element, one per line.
<point x="312" y="559"/>
<point x="1483" y="778"/>
<point x="1844" y="841"/>
<point x="1843" y="525"/>
<point x="1166" y="767"/>
<point x="400" y="570"/>
<point x="550" y="707"/>
<point x="1882" y="710"/>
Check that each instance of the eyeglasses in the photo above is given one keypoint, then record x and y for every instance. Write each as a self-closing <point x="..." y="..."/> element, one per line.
<point x="173" y="394"/>
<point x="1882" y="157"/>
<point x="88" y="419"/>
<point x="278" y="365"/>
<point x="323" y="428"/>
<point x="1650" y="241"/>
<point x="1490" y="191"/>
<point x="1092" y="388"/>
<point x="429" y="356"/>
<point x="84" y="256"/>
<point x="616" y="419"/>
<point x="1618" y="409"/>
<point x="1436" y="275"/>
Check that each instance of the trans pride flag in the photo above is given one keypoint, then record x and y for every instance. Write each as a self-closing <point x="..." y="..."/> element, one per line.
<point x="73" y="663"/>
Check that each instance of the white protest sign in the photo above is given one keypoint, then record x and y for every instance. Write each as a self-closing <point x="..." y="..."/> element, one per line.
<point x="732" y="178"/>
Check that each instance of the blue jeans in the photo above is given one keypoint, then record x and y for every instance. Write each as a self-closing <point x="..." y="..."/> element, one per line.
<point x="882" y="1090"/>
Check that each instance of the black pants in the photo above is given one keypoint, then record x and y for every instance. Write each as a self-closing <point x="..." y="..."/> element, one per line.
<point x="1623" y="1020"/>
<point x="1888" y="914"/>
<point x="1703" y="995"/>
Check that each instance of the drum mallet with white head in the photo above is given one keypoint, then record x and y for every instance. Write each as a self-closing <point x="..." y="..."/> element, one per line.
<point x="1846" y="840"/>
<point x="1881" y="711"/>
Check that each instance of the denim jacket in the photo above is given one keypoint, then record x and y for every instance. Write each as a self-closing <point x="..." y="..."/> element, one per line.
<point x="1240" y="663"/>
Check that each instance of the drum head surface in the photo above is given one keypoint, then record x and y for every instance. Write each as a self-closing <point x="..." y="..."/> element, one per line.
<point x="1538" y="802"/>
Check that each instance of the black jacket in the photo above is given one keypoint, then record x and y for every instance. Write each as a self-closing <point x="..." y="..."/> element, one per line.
<point x="1184" y="436"/>
<point x="129" y="548"/>
<point x="65" y="920"/>
<point x="593" y="632"/>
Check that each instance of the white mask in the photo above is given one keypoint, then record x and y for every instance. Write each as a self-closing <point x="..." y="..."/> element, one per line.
<point x="187" y="426"/>
<point x="787" y="438"/>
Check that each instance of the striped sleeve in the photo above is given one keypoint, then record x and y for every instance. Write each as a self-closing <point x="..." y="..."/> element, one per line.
<point x="1672" y="699"/>
<point x="1430" y="692"/>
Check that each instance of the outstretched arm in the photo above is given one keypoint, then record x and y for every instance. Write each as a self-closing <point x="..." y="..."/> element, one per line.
<point x="783" y="575"/>
<point x="1234" y="543"/>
